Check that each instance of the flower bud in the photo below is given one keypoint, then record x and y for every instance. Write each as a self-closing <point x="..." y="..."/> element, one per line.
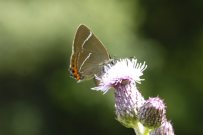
<point x="152" y="113"/>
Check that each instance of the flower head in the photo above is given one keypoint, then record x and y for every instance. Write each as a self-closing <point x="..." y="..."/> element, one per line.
<point x="120" y="71"/>
<point x="123" y="74"/>
<point x="152" y="113"/>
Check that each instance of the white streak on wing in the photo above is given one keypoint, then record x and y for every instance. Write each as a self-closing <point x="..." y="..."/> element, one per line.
<point x="87" y="39"/>
<point x="85" y="60"/>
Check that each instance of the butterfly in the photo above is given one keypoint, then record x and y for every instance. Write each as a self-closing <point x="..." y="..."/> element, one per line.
<point x="88" y="55"/>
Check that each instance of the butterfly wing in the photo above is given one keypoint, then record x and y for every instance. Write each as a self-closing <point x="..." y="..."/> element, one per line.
<point x="88" y="54"/>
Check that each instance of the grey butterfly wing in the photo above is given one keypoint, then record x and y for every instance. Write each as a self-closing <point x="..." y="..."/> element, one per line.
<point x="80" y="36"/>
<point x="92" y="55"/>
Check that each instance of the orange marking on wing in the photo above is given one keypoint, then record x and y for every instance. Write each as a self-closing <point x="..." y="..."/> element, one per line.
<point x="74" y="70"/>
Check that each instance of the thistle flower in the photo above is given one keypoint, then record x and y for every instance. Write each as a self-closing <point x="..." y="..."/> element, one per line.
<point x="152" y="113"/>
<point x="123" y="74"/>
<point x="120" y="72"/>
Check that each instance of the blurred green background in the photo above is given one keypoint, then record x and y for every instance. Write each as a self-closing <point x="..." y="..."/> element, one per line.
<point x="37" y="96"/>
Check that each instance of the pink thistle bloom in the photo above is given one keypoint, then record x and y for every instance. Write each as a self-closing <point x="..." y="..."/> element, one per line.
<point x="121" y="71"/>
<point x="123" y="74"/>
